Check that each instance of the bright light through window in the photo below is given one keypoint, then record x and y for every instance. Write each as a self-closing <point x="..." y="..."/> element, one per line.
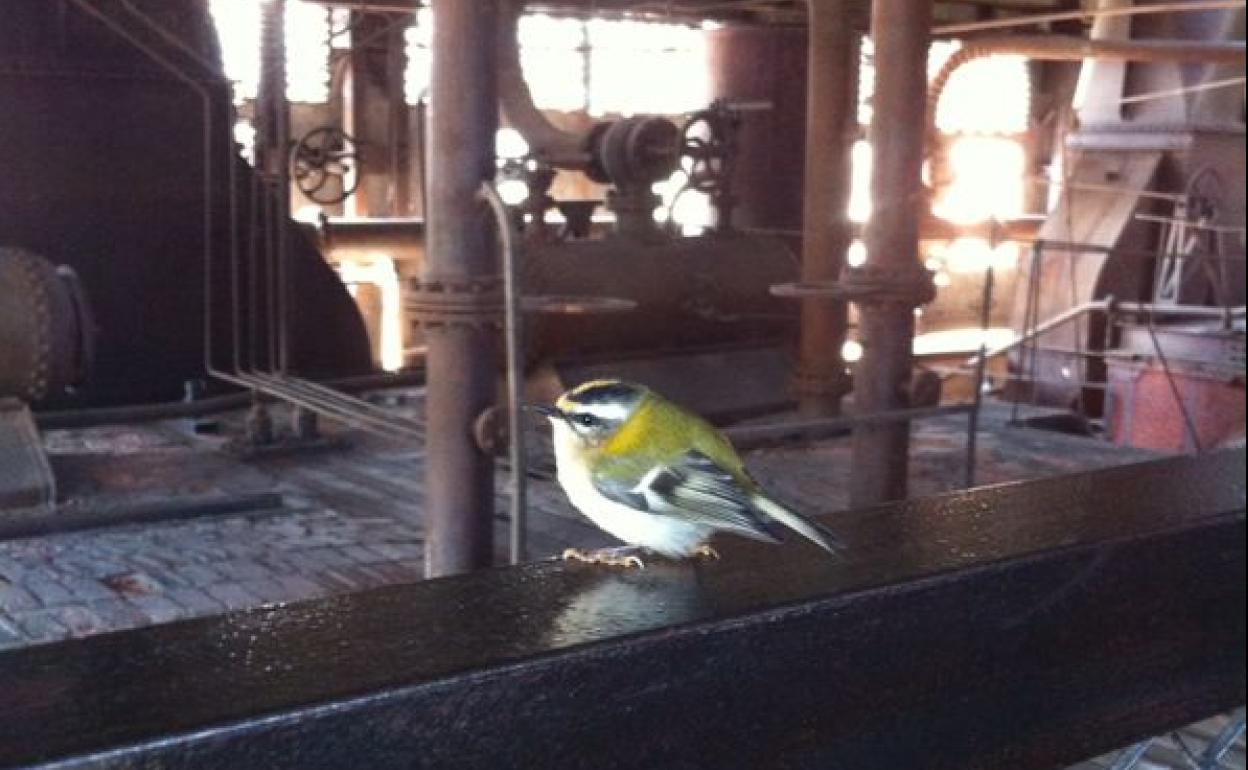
<point x="307" y="48"/>
<point x="419" y="39"/>
<point x="307" y="52"/>
<point x="987" y="181"/>
<point x="238" y="27"/>
<point x="625" y="61"/>
<point x="643" y="67"/>
<point x="553" y="61"/>
<point x="860" y="182"/>
<point x="987" y="96"/>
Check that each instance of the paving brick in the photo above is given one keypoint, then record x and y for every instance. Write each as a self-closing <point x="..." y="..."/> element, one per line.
<point x="40" y="625"/>
<point x="80" y="620"/>
<point x="400" y="572"/>
<point x="46" y="590"/>
<point x="399" y="551"/>
<point x="232" y="595"/>
<point x="297" y="588"/>
<point x="86" y="589"/>
<point x="194" y="574"/>
<point x="363" y="554"/>
<point x="10" y="568"/>
<point x="14" y="598"/>
<point x="243" y="570"/>
<point x="158" y="608"/>
<point x="117" y="613"/>
<point x="334" y="581"/>
<point x="10" y="634"/>
<point x="195" y="601"/>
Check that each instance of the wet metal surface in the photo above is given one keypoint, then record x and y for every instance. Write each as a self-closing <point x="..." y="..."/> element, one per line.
<point x="1016" y="626"/>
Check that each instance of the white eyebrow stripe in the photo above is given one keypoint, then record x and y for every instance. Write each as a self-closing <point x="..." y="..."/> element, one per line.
<point x="608" y="412"/>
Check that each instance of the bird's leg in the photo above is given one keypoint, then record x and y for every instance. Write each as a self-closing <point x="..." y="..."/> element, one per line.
<point x="705" y="551"/>
<point x="619" y="556"/>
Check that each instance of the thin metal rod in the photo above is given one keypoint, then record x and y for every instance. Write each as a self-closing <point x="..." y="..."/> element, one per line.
<point x="977" y="399"/>
<point x="1209" y="86"/>
<point x="1105" y="305"/>
<point x="1046" y="18"/>
<point x="514" y="352"/>
<point x="1129" y="757"/>
<point x="1211" y="757"/>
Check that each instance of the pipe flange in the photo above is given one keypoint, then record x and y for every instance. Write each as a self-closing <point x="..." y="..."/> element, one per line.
<point x="872" y="285"/>
<point x="476" y="303"/>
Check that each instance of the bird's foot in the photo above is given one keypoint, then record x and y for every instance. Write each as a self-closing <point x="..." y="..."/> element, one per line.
<point x="621" y="556"/>
<point x="705" y="551"/>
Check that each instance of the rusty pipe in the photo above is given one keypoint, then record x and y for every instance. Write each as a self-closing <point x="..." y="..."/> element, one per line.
<point x="831" y="123"/>
<point x="901" y="30"/>
<point x="559" y="148"/>
<point x="461" y="366"/>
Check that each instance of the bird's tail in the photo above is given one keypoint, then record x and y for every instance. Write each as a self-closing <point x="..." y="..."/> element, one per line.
<point x="811" y="530"/>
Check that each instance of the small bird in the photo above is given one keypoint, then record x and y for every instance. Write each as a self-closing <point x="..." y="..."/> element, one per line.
<point x="658" y="477"/>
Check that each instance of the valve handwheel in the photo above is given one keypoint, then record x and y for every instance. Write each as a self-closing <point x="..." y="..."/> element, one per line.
<point x="707" y="150"/>
<point x="323" y="154"/>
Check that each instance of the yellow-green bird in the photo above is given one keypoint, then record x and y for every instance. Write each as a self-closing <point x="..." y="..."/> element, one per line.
<point x="658" y="477"/>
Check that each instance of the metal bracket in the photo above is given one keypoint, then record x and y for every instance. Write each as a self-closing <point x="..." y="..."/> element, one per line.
<point x="866" y="285"/>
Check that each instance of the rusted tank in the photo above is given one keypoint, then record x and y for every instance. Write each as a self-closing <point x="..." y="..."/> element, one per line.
<point x="690" y="292"/>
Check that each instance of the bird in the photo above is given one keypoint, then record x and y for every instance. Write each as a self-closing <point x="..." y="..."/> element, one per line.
<point x="658" y="477"/>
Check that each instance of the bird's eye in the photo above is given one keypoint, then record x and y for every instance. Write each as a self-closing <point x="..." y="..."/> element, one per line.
<point x="586" y="420"/>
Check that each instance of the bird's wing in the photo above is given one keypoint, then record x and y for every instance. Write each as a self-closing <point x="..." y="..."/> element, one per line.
<point x="691" y="487"/>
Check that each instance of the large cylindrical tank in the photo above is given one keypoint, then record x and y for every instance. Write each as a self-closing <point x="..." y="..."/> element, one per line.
<point x="102" y="156"/>
<point x="690" y="292"/>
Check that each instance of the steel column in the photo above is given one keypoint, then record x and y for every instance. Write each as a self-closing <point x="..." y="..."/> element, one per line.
<point x="831" y="123"/>
<point x="461" y="349"/>
<point x="892" y="282"/>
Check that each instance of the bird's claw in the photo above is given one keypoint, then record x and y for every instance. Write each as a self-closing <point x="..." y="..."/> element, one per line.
<point x="706" y="552"/>
<point x="614" y="557"/>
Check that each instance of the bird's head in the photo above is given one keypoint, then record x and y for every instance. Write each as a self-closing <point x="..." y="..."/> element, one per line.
<point x="593" y="412"/>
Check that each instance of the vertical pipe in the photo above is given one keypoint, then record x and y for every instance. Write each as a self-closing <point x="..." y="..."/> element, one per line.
<point x="461" y="366"/>
<point x="831" y="123"/>
<point x="900" y="30"/>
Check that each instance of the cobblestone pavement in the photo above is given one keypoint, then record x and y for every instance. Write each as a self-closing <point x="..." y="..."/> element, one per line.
<point x="351" y="519"/>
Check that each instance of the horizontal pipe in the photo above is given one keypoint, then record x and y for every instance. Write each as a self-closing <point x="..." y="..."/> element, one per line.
<point x="1143" y="308"/>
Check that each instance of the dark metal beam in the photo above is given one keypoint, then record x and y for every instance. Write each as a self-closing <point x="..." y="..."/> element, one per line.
<point x="1022" y="626"/>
